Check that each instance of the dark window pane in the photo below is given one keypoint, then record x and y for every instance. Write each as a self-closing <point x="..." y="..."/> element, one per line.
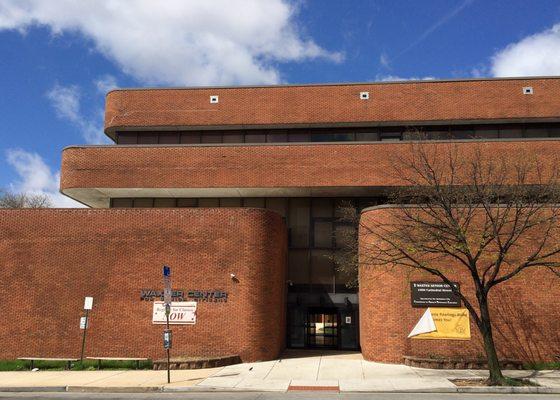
<point x="207" y="202"/>
<point x="462" y="132"/>
<point x="277" y="204"/>
<point x="147" y="138"/>
<point x="164" y="203"/>
<point x="322" y="208"/>
<point x="535" y="132"/>
<point x="149" y="203"/>
<point x="187" y="202"/>
<point x="486" y="132"/>
<point x="298" y="137"/>
<point x="233" y="138"/>
<point x="190" y="137"/>
<point x="299" y="222"/>
<point x="120" y="203"/>
<point x="256" y="202"/>
<point x="323" y="234"/>
<point x="127" y="138"/>
<point x="367" y="136"/>
<point x="322" y="268"/>
<point x="332" y="137"/>
<point x="276" y="137"/>
<point x="298" y="266"/>
<point x="168" y="138"/>
<point x="211" y="137"/>
<point x="511" y="131"/>
<point x="230" y="202"/>
<point x="255" y="137"/>
<point x="554" y="131"/>
<point x="345" y="236"/>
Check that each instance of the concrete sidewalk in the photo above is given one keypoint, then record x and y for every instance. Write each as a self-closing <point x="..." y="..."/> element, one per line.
<point x="335" y="371"/>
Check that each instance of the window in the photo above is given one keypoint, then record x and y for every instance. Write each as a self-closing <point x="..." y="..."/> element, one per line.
<point x="187" y="202"/>
<point x="207" y="202"/>
<point x="190" y="137"/>
<point x="143" y="203"/>
<point x="211" y="137"/>
<point x="164" y="203"/>
<point x="299" y="137"/>
<point x="372" y="136"/>
<point x="120" y="203"/>
<point x="299" y="222"/>
<point x="255" y="137"/>
<point x="147" y="138"/>
<point x="232" y="137"/>
<point x="256" y="202"/>
<point x="169" y="138"/>
<point x="127" y="138"/>
<point x="231" y="202"/>
<point x="277" y="137"/>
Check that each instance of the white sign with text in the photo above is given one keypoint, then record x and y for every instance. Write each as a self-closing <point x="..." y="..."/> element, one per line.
<point x="182" y="313"/>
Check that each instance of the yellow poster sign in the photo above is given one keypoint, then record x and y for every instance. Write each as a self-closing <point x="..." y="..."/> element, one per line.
<point x="450" y="323"/>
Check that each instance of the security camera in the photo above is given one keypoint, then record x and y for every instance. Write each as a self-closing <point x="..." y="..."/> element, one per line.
<point x="232" y="276"/>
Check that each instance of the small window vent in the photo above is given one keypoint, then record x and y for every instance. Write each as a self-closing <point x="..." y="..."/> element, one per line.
<point x="213" y="99"/>
<point x="528" y="90"/>
<point x="364" y="95"/>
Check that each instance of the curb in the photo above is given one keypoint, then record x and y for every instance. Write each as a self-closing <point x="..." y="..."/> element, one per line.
<point x="209" y="389"/>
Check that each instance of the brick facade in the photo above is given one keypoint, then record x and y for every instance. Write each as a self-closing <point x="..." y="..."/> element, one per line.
<point x="525" y="312"/>
<point x="328" y="105"/>
<point x="50" y="259"/>
<point x="265" y="166"/>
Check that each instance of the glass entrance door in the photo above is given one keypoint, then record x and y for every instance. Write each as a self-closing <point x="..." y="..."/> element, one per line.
<point x="322" y="329"/>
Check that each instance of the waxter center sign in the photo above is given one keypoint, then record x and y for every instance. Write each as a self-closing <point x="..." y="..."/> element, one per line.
<point x="433" y="294"/>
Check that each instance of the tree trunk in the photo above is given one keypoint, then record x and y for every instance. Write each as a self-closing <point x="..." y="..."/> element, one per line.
<point x="496" y="377"/>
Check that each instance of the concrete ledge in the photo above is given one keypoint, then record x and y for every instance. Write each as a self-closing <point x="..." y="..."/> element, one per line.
<point x="114" y="389"/>
<point x="32" y="388"/>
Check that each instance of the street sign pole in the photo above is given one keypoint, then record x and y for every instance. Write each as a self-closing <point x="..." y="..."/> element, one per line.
<point x="167" y="302"/>
<point x="88" y="304"/>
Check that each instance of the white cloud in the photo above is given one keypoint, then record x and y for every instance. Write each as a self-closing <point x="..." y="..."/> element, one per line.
<point x="35" y="177"/>
<point x="66" y="102"/>
<point x="105" y="84"/>
<point x="395" y="78"/>
<point x="183" y="42"/>
<point x="534" y="55"/>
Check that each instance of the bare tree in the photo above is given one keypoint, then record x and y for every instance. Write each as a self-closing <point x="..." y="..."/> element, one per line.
<point x="465" y="212"/>
<point x="23" y="200"/>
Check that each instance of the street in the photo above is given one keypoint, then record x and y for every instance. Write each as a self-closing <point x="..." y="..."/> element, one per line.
<point x="274" y="396"/>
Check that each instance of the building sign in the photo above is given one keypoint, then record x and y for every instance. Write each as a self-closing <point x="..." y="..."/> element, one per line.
<point x="210" y="296"/>
<point x="443" y="323"/>
<point x="206" y="296"/>
<point x="433" y="294"/>
<point x="182" y="313"/>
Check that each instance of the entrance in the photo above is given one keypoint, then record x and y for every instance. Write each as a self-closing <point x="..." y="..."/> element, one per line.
<point x="322" y="329"/>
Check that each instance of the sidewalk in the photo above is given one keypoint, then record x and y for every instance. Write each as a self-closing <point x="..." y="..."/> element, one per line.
<point x="336" y="371"/>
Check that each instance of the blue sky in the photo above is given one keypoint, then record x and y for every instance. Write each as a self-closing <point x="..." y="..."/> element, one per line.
<point x="59" y="57"/>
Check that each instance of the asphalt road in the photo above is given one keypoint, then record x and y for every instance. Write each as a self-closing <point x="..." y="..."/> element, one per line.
<point x="276" y="396"/>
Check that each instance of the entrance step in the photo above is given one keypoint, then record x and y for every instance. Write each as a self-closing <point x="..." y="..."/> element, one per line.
<point x="196" y="362"/>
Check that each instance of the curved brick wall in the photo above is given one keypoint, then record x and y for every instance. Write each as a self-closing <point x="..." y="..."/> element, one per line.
<point x="242" y="166"/>
<point x="525" y="311"/>
<point x="422" y="101"/>
<point x="51" y="259"/>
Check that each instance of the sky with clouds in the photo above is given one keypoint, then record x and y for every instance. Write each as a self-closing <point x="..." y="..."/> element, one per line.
<point x="58" y="58"/>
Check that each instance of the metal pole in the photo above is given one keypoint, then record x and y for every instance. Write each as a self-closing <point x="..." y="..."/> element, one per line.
<point x="167" y="311"/>
<point x="84" y="339"/>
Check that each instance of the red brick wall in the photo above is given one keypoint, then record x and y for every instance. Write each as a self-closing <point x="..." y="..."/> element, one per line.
<point x="423" y="101"/>
<point x="525" y="312"/>
<point x="241" y="166"/>
<point x="51" y="259"/>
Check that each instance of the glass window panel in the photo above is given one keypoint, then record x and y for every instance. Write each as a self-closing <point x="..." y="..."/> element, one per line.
<point x="323" y="234"/>
<point x="299" y="137"/>
<point x="233" y="138"/>
<point x="322" y="207"/>
<point x="298" y="266"/>
<point x="230" y="202"/>
<point x="277" y="204"/>
<point x="535" y="132"/>
<point x="147" y="138"/>
<point x="257" y="202"/>
<point x="127" y="137"/>
<point x="119" y="203"/>
<point x="554" y="131"/>
<point x="255" y="137"/>
<point x="187" y="202"/>
<point x="331" y="137"/>
<point x="207" y="202"/>
<point x="144" y="203"/>
<point x="462" y="132"/>
<point x="367" y="136"/>
<point x="486" y="132"/>
<point x="342" y="207"/>
<point x="511" y="131"/>
<point x="211" y="137"/>
<point x="164" y="203"/>
<point x="277" y="137"/>
<point x="190" y="137"/>
<point x="298" y="221"/>
<point x="345" y="236"/>
<point x="322" y="267"/>
<point x="168" y="138"/>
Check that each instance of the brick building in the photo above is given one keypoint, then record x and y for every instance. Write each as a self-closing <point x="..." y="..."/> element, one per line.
<point x="187" y="182"/>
